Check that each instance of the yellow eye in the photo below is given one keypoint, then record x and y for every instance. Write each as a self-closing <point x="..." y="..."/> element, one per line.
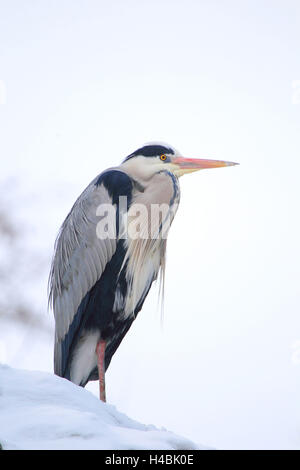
<point x="163" y="157"/>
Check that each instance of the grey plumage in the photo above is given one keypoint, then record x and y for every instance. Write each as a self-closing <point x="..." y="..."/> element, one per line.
<point x="79" y="260"/>
<point x="81" y="257"/>
<point x="97" y="285"/>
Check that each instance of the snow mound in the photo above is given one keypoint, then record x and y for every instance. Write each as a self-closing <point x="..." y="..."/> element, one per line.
<point x="39" y="410"/>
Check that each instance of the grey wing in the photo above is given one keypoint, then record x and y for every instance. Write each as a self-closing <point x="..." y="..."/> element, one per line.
<point x="79" y="260"/>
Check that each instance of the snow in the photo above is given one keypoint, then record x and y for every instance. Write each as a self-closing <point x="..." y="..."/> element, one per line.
<point x="39" y="410"/>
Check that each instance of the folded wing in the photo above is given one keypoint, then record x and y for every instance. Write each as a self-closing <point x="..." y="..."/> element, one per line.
<point x="80" y="257"/>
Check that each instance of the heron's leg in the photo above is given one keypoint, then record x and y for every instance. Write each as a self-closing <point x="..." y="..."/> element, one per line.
<point x="100" y="351"/>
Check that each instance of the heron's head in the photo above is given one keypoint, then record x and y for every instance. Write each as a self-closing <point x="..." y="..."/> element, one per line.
<point x="155" y="157"/>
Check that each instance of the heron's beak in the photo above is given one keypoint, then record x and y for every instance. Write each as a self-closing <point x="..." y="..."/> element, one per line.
<point x="188" y="165"/>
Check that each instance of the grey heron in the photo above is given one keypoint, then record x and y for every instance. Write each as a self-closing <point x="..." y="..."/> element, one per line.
<point x="101" y="271"/>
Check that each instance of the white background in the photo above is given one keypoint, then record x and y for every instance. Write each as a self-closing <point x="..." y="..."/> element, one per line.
<point x="85" y="83"/>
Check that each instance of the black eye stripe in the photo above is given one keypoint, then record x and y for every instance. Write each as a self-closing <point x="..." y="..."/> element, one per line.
<point x="151" y="151"/>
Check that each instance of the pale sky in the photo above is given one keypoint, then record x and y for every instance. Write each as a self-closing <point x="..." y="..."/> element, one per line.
<point x="82" y="85"/>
